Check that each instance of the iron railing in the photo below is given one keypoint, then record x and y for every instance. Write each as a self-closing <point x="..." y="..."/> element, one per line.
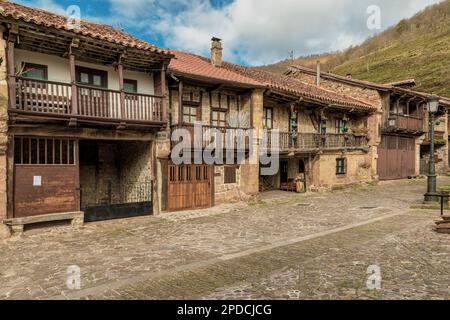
<point x="110" y="193"/>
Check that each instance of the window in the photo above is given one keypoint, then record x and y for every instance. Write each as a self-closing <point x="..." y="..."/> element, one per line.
<point x="341" y="166"/>
<point x="43" y="151"/>
<point x="35" y="71"/>
<point x="130" y="86"/>
<point x="341" y="126"/>
<point x="218" y="118"/>
<point x="92" y="77"/>
<point x="230" y="174"/>
<point x="189" y="113"/>
<point x="268" y="118"/>
<point x="323" y="126"/>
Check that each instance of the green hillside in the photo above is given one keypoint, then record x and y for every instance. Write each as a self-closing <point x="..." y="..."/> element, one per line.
<point x="416" y="48"/>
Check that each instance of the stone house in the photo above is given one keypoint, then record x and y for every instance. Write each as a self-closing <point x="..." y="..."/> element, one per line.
<point x="325" y="137"/>
<point x="81" y="107"/>
<point x="402" y="139"/>
<point x="92" y="119"/>
<point x="203" y="93"/>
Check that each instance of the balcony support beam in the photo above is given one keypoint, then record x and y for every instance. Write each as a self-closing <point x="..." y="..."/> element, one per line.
<point x="121" y="86"/>
<point x="73" y="81"/>
<point x="10" y="64"/>
<point x="180" y="103"/>
<point x="164" y="105"/>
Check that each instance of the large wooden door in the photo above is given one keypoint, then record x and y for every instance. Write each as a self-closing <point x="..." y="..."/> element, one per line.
<point x="396" y="158"/>
<point x="189" y="187"/>
<point x="46" y="176"/>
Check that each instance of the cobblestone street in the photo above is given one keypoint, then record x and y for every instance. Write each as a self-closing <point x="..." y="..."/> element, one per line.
<point x="285" y="246"/>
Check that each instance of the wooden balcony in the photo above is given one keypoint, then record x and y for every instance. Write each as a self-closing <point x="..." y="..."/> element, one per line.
<point x="297" y="142"/>
<point x="78" y="103"/>
<point x="405" y="124"/>
<point x="217" y="137"/>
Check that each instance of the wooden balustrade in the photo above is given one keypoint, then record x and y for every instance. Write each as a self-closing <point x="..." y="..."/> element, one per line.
<point x="290" y="141"/>
<point x="216" y="137"/>
<point x="407" y="122"/>
<point x="43" y="98"/>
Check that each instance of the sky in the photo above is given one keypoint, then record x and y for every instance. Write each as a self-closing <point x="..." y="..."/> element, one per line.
<point x="254" y="32"/>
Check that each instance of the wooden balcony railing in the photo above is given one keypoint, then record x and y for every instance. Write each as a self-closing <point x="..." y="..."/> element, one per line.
<point x="406" y="122"/>
<point x="289" y="141"/>
<point x="218" y="137"/>
<point x="54" y="99"/>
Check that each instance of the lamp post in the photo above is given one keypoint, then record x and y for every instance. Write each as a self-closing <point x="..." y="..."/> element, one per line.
<point x="432" y="107"/>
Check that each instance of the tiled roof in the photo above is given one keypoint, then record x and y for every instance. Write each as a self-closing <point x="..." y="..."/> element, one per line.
<point x="296" y="87"/>
<point x="332" y="76"/>
<point x="89" y="29"/>
<point x="392" y="87"/>
<point x="194" y="66"/>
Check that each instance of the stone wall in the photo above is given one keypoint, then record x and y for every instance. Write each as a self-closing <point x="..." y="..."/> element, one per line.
<point x="359" y="169"/>
<point x="369" y="95"/>
<point x="4" y="165"/>
<point x="126" y="165"/>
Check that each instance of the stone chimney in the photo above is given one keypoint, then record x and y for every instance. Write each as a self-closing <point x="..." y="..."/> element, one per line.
<point x="318" y="73"/>
<point x="216" y="52"/>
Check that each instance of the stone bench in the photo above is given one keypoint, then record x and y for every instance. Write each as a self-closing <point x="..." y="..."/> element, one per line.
<point x="17" y="224"/>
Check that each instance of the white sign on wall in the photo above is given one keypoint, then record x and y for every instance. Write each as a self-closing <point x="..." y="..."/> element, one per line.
<point x="37" y="181"/>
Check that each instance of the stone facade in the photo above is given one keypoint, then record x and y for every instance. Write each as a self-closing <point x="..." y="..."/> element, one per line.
<point x="4" y="165"/>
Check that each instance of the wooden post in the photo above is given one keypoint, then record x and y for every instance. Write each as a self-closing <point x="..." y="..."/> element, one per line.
<point x="11" y="71"/>
<point x="180" y="103"/>
<point x="164" y="93"/>
<point x="122" y="89"/>
<point x="73" y="80"/>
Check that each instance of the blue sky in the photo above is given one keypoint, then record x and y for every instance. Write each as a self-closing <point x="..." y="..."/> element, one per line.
<point x="254" y="32"/>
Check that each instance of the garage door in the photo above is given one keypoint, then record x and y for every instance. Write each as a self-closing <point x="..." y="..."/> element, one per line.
<point x="45" y="176"/>
<point x="189" y="187"/>
<point x="396" y="158"/>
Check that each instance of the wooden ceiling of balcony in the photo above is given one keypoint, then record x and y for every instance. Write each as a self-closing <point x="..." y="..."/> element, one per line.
<point x="58" y="42"/>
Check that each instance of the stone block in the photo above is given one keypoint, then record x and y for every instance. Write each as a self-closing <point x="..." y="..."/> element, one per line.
<point x="5" y="232"/>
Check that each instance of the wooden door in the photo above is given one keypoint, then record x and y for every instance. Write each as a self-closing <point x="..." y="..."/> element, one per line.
<point x="284" y="172"/>
<point x="46" y="176"/>
<point x="396" y="157"/>
<point x="189" y="187"/>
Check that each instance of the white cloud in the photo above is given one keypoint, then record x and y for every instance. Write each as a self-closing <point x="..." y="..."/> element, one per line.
<point x="264" y="31"/>
<point x="254" y="32"/>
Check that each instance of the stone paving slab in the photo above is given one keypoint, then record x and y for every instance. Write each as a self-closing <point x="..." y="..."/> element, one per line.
<point x="35" y="265"/>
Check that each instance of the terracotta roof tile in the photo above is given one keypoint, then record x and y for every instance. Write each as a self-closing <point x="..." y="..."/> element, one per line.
<point x="297" y="87"/>
<point x="195" y="66"/>
<point x="89" y="29"/>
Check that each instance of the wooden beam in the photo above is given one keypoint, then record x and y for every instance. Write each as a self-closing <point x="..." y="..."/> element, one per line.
<point x="10" y="64"/>
<point x="180" y="103"/>
<point x="164" y="92"/>
<point x="121" y="87"/>
<point x="73" y="80"/>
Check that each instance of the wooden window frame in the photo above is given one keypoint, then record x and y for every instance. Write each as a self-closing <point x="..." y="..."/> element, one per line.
<point x="190" y="106"/>
<point x="341" y="168"/>
<point x="29" y="65"/>
<point x="218" y="121"/>
<point x="265" y="119"/>
<point x="228" y="176"/>
<point x="37" y="151"/>
<point x="131" y="82"/>
<point x="92" y="72"/>
<point x="339" y="123"/>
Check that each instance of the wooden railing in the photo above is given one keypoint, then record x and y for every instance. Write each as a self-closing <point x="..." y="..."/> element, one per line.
<point x="55" y="99"/>
<point x="217" y="137"/>
<point x="289" y="141"/>
<point x="406" y="122"/>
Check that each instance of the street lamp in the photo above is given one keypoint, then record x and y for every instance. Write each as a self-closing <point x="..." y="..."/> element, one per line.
<point x="432" y="107"/>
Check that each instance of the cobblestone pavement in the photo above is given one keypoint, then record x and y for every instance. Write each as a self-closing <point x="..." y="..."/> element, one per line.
<point x="284" y="246"/>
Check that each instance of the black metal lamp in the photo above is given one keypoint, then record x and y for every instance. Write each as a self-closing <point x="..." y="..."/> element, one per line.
<point x="432" y="108"/>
